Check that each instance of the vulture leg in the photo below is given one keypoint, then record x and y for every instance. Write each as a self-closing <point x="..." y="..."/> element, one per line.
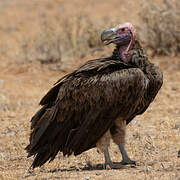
<point x="103" y="145"/>
<point x="118" y="131"/>
<point x="109" y="163"/>
<point x="125" y="158"/>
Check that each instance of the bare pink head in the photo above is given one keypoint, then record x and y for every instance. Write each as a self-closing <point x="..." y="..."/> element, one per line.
<point x="124" y="36"/>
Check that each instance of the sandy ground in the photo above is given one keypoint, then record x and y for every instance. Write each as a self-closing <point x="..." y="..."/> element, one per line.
<point x="153" y="139"/>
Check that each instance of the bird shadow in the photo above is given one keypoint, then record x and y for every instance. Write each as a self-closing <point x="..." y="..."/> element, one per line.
<point x="87" y="167"/>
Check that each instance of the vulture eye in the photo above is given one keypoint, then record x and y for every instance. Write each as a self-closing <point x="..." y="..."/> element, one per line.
<point x="123" y="29"/>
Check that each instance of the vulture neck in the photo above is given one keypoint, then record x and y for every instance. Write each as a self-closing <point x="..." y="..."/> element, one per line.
<point x="122" y="53"/>
<point x="140" y="60"/>
<point x="135" y="56"/>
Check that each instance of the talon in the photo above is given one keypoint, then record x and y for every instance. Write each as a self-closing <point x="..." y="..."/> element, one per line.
<point x="114" y="166"/>
<point x="128" y="162"/>
<point x="107" y="166"/>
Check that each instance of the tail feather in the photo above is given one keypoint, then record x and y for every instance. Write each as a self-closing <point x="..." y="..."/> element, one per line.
<point x="42" y="124"/>
<point x="44" y="156"/>
<point x="49" y="135"/>
<point x="41" y="158"/>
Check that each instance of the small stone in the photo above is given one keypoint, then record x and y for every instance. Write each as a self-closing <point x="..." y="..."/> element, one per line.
<point x="177" y="125"/>
<point x="86" y="177"/>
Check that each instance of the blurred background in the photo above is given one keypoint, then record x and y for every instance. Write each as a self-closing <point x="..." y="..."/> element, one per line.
<point x="42" y="40"/>
<point x="57" y="30"/>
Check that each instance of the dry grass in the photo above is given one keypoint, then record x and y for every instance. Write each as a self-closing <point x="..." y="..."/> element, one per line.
<point x="82" y="38"/>
<point x="160" y="27"/>
<point x="77" y="37"/>
<point x="45" y="47"/>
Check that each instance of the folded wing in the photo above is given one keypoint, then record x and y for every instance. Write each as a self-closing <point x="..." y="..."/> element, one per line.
<point x="81" y="107"/>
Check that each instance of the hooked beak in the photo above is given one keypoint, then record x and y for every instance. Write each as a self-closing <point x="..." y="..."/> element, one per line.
<point x="108" y="36"/>
<point x="112" y="36"/>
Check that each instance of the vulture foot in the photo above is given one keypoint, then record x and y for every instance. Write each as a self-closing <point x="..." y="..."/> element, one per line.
<point x="113" y="165"/>
<point x="108" y="163"/>
<point x="128" y="161"/>
<point x="125" y="158"/>
<point x="119" y="165"/>
<point x="116" y="165"/>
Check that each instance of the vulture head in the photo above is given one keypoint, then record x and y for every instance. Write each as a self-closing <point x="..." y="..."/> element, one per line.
<point x="124" y="36"/>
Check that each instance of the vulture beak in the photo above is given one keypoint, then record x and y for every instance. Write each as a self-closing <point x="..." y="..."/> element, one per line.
<point x="117" y="35"/>
<point x="108" y="36"/>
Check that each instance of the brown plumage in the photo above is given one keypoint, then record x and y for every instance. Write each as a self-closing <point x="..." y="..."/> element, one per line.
<point x="94" y="103"/>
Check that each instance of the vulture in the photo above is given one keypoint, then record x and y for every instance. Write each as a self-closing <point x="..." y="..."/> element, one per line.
<point x="91" y="105"/>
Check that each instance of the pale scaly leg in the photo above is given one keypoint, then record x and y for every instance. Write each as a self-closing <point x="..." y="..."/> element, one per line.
<point x="118" y="132"/>
<point x="125" y="157"/>
<point x="109" y="163"/>
<point x="103" y="145"/>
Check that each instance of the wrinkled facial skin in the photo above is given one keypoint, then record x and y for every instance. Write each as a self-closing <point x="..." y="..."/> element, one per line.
<point x="123" y="37"/>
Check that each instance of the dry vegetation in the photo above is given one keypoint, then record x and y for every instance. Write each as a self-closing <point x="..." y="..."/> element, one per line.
<point x="160" y="27"/>
<point x="42" y="36"/>
<point x="44" y="47"/>
<point x="78" y="36"/>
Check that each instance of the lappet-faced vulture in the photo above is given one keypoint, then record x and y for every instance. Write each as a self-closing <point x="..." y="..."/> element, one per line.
<point x="93" y="104"/>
